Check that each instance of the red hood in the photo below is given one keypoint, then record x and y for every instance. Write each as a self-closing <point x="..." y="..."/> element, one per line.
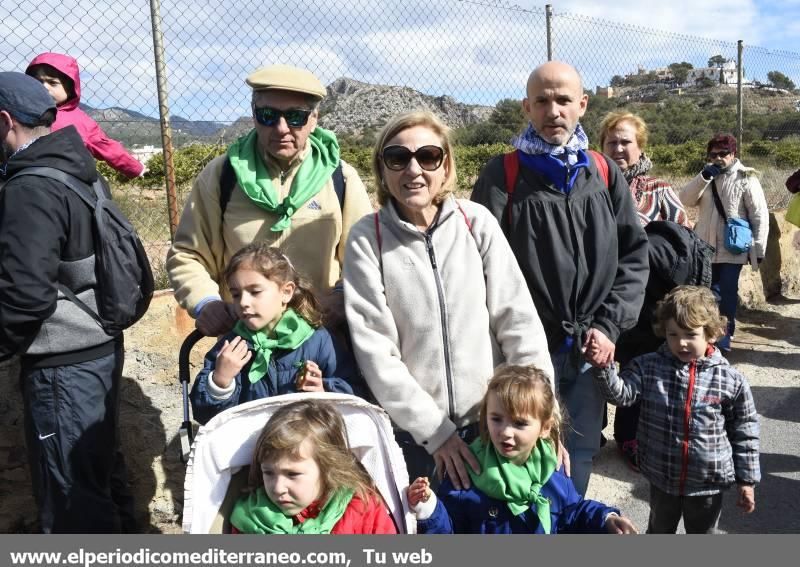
<point x="67" y="65"/>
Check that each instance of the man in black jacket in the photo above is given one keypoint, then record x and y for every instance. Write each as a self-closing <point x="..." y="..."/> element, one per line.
<point x="70" y="368"/>
<point x="575" y="233"/>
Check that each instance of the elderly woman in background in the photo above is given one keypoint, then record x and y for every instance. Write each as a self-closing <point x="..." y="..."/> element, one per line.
<point x="435" y="300"/>
<point x="738" y="195"/>
<point x="623" y="138"/>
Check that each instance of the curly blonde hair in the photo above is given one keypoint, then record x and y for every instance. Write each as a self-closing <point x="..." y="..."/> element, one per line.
<point x="691" y="307"/>
<point x="404" y="122"/>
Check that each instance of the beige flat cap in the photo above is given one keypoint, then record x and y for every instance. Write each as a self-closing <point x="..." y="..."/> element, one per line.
<point x="286" y="78"/>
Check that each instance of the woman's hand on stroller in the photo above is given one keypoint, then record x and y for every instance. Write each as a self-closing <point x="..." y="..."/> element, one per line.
<point x="309" y="377"/>
<point x="231" y="358"/>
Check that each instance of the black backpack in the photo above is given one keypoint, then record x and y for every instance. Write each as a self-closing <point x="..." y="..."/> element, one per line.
<point x="227" y="181"/>
<point x="677" y="257"/>
<point x="122" y="269"/>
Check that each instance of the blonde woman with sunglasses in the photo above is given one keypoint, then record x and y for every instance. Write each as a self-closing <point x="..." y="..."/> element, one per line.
<point x="435" y="300"/>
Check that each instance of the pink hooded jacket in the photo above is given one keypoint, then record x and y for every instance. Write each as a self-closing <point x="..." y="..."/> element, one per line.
<point x="97" y="142"/>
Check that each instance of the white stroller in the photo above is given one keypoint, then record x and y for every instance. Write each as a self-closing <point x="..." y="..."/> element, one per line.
<point x="223" y="448"/>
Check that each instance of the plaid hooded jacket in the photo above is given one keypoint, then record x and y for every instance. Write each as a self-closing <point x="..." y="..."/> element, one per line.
<point x="698" y="427"/>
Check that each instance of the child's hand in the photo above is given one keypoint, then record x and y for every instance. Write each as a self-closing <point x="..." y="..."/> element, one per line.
<point x="231" y="358"/>
<point x="419" y="491"/>
<point x="747" y="498"/>
<point x="620" y="525"/>
<point x="309" y="378"/>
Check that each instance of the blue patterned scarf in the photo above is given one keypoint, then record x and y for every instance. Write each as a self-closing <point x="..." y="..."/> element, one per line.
<point x="530" y="142"/>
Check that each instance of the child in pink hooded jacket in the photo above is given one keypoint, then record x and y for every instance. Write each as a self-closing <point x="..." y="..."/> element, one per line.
<point x="59" y="74"/>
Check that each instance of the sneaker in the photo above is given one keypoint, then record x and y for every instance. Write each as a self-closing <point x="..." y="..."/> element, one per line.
<point x="724" y="344"/>
<point x="630" y="454"/>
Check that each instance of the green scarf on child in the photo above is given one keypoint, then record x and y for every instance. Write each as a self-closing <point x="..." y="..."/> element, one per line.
<point x="290" y="332"/>
<point x="518" y="485"/>
<point x="257" y="514"/>
<point x="257" y="183"/>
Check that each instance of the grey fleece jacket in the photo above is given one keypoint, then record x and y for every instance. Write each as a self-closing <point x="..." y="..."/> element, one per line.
<point x="433" y="313"/>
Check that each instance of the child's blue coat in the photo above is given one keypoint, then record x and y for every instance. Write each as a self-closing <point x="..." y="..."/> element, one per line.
<point x="280" y="378"/>
<point x="472" y="512"/>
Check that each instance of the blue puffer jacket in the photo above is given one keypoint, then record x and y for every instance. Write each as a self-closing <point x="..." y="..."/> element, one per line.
<point x="280" y="378"/>
<point x="472" y="512"/>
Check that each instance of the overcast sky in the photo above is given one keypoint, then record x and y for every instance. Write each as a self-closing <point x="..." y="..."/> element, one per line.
<point x="476" y="51"/>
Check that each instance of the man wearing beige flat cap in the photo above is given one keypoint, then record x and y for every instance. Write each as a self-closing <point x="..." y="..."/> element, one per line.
<point x="283" y="183"/>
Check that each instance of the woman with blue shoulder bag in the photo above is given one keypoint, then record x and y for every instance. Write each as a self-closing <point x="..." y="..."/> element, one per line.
<point x="732" y="217"/>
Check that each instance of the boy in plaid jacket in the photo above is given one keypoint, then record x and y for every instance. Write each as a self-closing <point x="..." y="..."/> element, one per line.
<point x="698" y="427"/>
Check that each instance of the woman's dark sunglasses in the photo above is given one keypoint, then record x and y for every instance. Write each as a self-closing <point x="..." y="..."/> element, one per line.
<point x="268" y="116"/>
<point x="721" y="154"/>
<point x="397" y="158"/>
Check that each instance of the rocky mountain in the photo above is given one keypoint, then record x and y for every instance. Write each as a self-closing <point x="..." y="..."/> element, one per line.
<point x="356" y="108"/>
<point x="351" y="108"/>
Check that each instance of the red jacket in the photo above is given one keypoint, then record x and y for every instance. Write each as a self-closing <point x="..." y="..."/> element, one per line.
<point x="97" y="142"/>
<point x="372" y="518"/>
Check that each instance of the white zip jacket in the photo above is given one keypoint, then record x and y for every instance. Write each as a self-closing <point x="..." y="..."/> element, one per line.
<point x="432" y="314"/>
<point x="742" y="197"/>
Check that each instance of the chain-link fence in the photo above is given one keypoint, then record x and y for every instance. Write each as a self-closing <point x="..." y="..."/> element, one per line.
<point x="468" y="61"/>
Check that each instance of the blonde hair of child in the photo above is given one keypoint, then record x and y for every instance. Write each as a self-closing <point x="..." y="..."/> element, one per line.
<point x="275" y="266"/>
<point x="323" y="426"/>
<point x="691" y="307"/>
<point x="523" y="391"/>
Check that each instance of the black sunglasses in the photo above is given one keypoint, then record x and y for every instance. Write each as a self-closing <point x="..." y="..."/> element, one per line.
<point x="268" y="116"/>
<point x="397" y="158"/>
<point x="721" y="154"/>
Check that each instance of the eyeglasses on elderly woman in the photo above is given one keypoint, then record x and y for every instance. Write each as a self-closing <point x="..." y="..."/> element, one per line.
<point x="397" y="158"/>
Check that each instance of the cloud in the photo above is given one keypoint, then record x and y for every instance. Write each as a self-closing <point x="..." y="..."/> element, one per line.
<point x="475" y="51"/>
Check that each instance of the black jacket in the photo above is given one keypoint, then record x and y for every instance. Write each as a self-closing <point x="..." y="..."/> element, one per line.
<point x="46" y="238"/>
<point x="583" y="254"/>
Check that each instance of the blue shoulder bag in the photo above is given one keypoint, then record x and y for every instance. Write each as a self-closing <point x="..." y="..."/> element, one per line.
<point x="738" y="235"/>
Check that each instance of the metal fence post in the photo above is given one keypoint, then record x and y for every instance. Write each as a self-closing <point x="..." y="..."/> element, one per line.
<point x="739" y="96"/>
<point x="163" y="110"/>
<point x="548" y="9"/>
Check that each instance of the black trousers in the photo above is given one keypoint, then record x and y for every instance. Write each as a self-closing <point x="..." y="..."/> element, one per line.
<point x="700" y="513"/>
<point x="71" y="432"/>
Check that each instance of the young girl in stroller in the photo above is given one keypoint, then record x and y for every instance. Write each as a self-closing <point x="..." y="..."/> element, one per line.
<point x="278" y="345"/>
<point x="305" y="480"/>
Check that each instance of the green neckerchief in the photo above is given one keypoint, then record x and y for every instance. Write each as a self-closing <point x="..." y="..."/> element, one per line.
<point x="257" y="183"/>
<point x="257" y="514"/>
<point x="517" y="485"/>
<point x="290" y="332"/>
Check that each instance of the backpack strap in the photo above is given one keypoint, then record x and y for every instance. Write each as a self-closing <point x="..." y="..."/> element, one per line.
<point x="718" y="201"/>
<point x="87" y="196"/>
<point x="227" y="181"/>
<point x="339" y="184"/>
<point x="601" y="164"/>
<point x="511" y="167"/>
